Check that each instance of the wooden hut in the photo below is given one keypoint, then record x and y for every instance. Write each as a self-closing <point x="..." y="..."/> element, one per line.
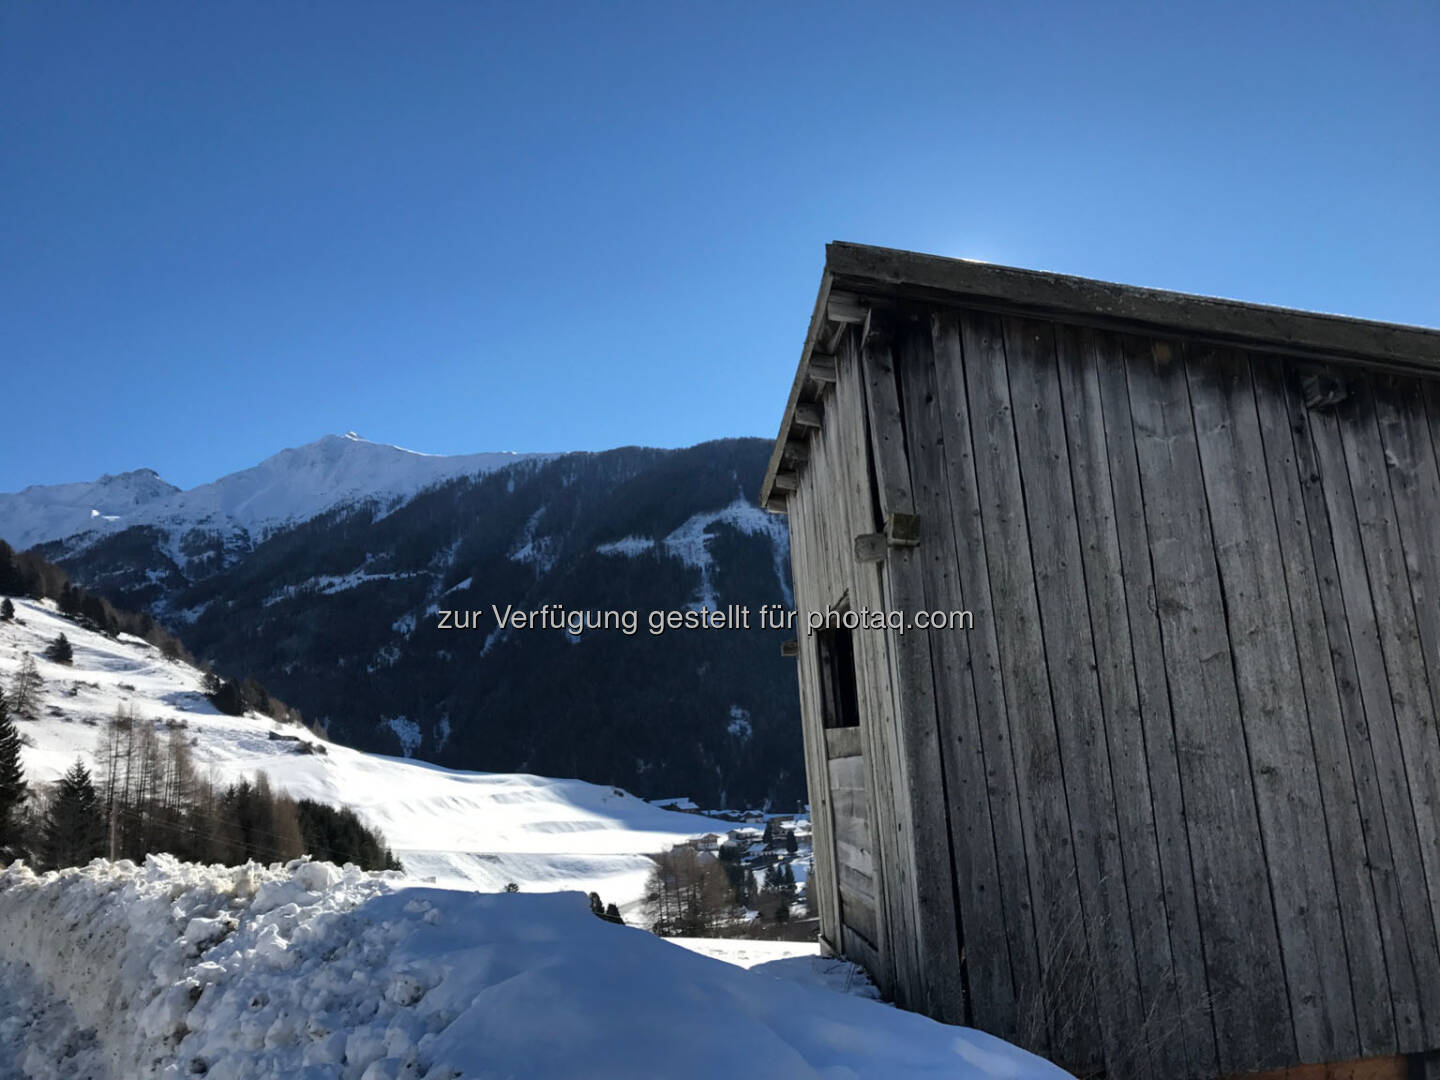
<point x="1168" y="803"/>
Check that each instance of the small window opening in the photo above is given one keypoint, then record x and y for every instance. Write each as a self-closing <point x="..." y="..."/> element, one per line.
<point x="839" y="696"/>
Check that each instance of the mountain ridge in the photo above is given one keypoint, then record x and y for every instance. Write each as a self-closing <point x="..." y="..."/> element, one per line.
<point x="288" y="487"/>
<point x="338" y="615"/>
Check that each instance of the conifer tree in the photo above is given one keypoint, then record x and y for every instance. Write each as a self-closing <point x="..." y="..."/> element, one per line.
<point x="60" y="651"/>
<point x="12" y="581"/>
<point x="612" y="914"/>
<point x="13" y="788"/>
<point x="74" y="824"/>
<point x="7" y="610"/>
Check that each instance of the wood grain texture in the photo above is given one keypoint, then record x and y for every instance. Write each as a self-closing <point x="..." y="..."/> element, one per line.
<point x="1054" y="888"/>
<point x="967" y="540"/>
<point x="1237" y="914"/>
<point x="1193" y="1018"/>
<point x="1377" y="754"/>
<point x="1061" y="590"/>
<point x="922" y="766"/>
<point x="989" y="981"/>
<point x="1347" y="791"/>
<point x="1274" y="719"/>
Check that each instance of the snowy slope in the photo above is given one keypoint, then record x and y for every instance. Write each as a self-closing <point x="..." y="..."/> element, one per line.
<point x="291" y="486"/>
<point x="468" y="830"/>
<point x="172" y="970"/>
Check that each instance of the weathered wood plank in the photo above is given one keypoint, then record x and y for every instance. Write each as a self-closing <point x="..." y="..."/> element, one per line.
<point x="918" y="729"/>
<point x="842" y="742"/>
<point x="1272" y="703"/>
<point x="856" y="880"/>
<point x="1109" y="961"/>
<point x="847" y="772"/>
<point x="1391" y="1067"/>
<point x="1237" y="914"/>
<point x="968" y="537"/>
<point x="1329" y="712"/>
<point x="1400" y="409"/>
<point x="1073" y="1037"/>
<point x="895" y="903"/>
<point x="858" y="949"/>
<point x="821" y="888"/>
<point x="1377" y="760"/>
<point x="1190" y="1019"/>
<point x="1400" y="646"/>
<point x="1156" y="1045"/>
<point x="989" y="981"/>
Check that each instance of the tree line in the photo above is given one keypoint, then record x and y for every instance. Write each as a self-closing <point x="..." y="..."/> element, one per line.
<point x="689" y="894"/>
<point x="145" y="797"/>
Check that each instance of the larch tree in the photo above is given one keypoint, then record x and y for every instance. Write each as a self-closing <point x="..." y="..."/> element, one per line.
<point x="25" y="690"/>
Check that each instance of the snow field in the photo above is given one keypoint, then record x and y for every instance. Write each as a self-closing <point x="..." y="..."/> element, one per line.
<point x="464" y="829"/>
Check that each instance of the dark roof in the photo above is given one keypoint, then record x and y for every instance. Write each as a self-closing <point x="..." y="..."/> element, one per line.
<point x="858" y="276"/>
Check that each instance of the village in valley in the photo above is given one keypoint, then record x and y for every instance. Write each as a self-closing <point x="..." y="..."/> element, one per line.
<point x="765" y="861"/>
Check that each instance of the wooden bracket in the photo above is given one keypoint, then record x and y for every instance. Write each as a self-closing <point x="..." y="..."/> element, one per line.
<point x="785" y="481"/>
<point x="870" y="547"/>
<point x="845" y="307"/>
<point x="822" y="369"/>
<point x="807" y="415"/>
<point x="902" y="530"/>
<point x="790" y="648"/>
<point x="795" y="451"/>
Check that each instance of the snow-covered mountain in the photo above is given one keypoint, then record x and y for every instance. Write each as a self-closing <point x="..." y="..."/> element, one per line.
<point x="285" y="489"/>
<point x="343" y="614"/>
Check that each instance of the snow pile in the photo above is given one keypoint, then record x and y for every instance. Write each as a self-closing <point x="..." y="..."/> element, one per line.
<point x="464" y="829"/>
<point x="309" y="972"/>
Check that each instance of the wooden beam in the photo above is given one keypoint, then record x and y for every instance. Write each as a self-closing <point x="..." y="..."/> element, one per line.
<point x="822" y="369"/>
<point x="818" y="326"/>
<point x="790" y="648"/>
<point x="796" y="451"/>
<point x="1394" y="1067"/>
<point x="902" y="530"/>
<point x="785" y="482"/>
<point x="870" y="547"/>
<point x="808" y="415"/>
<point x="845" y="308"/>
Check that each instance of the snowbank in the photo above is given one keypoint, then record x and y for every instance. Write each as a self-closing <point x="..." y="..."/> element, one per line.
<point x="307" y="971"/>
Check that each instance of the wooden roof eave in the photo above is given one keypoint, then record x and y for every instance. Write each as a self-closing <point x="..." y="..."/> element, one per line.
<point x="868" y="275"/>
<point x="888" y="274"/>
<point x="770" y="499"/>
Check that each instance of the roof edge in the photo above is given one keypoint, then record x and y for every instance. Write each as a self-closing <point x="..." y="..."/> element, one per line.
<point x="888" y="270"/>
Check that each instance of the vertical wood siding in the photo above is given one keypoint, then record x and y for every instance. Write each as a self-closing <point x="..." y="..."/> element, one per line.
<point x="1172" y="806"/>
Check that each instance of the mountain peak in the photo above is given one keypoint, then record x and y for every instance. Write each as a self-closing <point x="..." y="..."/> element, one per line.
<point x="291" y="486"/>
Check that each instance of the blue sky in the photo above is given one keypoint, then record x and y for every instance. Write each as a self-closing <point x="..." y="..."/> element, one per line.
<point x="227" y="229"/>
